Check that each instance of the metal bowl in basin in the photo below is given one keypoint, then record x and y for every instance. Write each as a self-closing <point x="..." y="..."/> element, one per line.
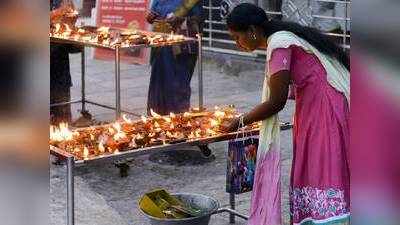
<point x="207" y="205"/>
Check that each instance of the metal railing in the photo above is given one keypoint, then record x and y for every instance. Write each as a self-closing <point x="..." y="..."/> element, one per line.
<point x="217" y="39"/>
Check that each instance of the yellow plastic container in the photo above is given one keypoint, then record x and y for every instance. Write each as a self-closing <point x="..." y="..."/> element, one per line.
<point x="159" y="201"/>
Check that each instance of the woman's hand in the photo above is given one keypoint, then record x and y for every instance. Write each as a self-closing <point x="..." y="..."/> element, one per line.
<point x="231" y="125"/>
<point x="174" y="21"/>
<point x="151" y="16"/>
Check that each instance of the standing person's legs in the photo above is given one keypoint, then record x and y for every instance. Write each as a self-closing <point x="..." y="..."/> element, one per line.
<point x="192" y="60"/>
<point x="169" y="89"/>
<point x="60" y="113"/>
<point x="156" y="99"/>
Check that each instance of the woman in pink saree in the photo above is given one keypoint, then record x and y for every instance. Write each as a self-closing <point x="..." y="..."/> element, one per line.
<point x="318" y="72"/>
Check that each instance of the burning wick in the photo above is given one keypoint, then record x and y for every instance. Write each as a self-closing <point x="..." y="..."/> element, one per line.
<point x="138" y="136"/>
<point x="61" y="133"/>
<point x="117" y="126"/>
<point x="103" y="29"/>
<point x="191" y="135"/>
<point x="214" y="123"/>
<point x="109" y="149"/>
<point x="211" y="132"/>
<point x="168" y="120"/>
<point x="76" y="37"/>
<point x="86" y="38"/>
<point x="116" y="41"/>
<point x="219" y="114"/>
<point x="171" y="36"/>
<point x="67" y="29"/>
<point x="154" y="114"/>
<point x="133" y="144"/>
<point x="106" y="42"/>
<point x="120" y="134"/>
<point x="111" y="130"/>
<point x="126" y="119"/>
<point x="58" y="27"/>
<point x="198" y="133"/>
<point x="101" y="147"/>
<point x="85" y="152"/>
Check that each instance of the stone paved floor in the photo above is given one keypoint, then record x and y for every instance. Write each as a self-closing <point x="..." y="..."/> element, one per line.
<point x="102" y="197"/>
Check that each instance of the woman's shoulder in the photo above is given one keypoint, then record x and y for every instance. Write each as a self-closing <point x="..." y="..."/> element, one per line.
<point x="282" y="37"/>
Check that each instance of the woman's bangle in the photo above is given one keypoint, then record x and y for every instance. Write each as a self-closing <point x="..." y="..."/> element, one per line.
<point x="244" y="119"/>
<point x="241" y="123"/>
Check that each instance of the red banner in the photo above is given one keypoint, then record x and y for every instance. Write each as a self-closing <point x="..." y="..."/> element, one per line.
<point x="123" y="14"/>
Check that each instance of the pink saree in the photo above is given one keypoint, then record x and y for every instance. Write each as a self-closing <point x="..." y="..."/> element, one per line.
<point x="320" y="179"/>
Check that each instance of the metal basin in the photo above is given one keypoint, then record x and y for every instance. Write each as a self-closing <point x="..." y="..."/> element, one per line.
<point x="207" y="205"/>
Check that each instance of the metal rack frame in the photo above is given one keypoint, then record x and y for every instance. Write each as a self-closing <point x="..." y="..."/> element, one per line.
<point x="71" y="162"/>
<point x="117" y="50"/>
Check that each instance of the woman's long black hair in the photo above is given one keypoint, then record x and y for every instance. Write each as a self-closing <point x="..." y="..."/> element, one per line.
<point x="244" y="15"/>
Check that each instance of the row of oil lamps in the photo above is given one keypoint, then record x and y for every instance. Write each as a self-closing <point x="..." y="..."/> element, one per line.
<point x="148" y="131"/>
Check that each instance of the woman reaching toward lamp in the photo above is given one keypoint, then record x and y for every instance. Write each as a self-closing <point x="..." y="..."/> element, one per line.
<point x="318" y="70"/>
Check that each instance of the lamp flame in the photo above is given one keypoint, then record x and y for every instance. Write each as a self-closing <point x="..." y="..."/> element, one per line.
<point x="61" y="133"/>
<point x="214" y="123"/>
<point x="219" y="114"/>
<point x="58" y="27"/>
<point x="154" y="114"/>
<point x="211" y="132"/>
<point x="85" y="152"/>
<point x="167" y="119"/>
<point x="126" y="119"/>
<point x="101" y="147"/>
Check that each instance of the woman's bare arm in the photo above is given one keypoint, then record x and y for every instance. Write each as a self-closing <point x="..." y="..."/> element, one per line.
<point x="279" y="88"/>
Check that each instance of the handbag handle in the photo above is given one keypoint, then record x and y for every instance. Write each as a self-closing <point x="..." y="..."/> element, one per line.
<point x="241" y="128"/>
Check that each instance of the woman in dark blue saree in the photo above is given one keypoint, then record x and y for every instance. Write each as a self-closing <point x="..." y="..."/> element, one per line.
<point x="172" y="67"/>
